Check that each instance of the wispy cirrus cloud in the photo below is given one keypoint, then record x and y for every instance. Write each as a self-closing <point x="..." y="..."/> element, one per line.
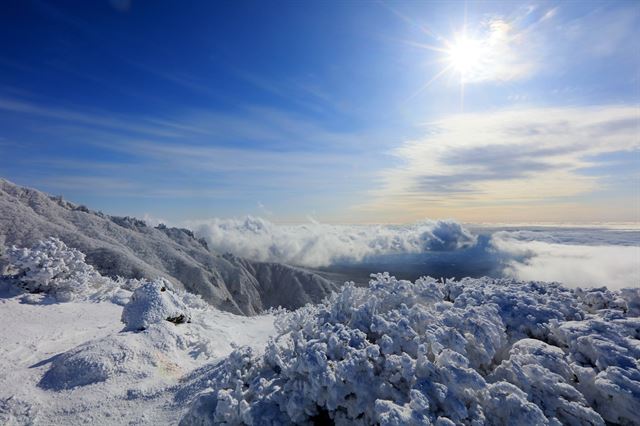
<point x="96" y="119"/>
<point x="249" y="124"/>
<point x="253" y="154"/>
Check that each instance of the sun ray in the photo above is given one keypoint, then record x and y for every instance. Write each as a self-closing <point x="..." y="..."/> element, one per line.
<point x="432" y="47"/>
<point x="428" y="83"/>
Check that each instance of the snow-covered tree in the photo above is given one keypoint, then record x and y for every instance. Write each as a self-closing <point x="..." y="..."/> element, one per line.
<point x="52" y="267"/>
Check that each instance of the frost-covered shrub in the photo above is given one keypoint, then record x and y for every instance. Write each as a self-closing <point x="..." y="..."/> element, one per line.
<point x="540" y="370"/>
<point x="604" y="356"/>
<point x="52" y="267"/>
<point x="631" y="296"/>
<point x="117" y="290"/>
<point x="476" y="351"/>
<point x="153" y="302"/>
<point x="597" y="299"/>
<point x="525" y="307"/>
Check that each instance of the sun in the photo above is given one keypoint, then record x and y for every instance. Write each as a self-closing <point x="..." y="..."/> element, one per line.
<point x="464" y="55"/>
<point x="475" y="54"/>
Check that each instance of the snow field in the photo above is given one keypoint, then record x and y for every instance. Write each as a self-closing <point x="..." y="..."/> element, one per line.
<point x="67" y="357"/>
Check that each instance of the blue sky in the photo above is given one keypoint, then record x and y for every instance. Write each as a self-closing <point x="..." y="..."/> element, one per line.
<point x="339" y="111"/>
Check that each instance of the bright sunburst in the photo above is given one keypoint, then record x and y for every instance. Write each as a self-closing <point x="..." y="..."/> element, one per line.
<point x="464" y="55"/>
<point x="486" y="55"/>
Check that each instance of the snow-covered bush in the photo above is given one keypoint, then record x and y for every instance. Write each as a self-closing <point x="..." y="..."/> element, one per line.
<point x="541" y="371"/>
<point x="604" y="352"/>
<point x="116" y="290"/>
<point x="476" y="351"/>
<point x="52" y="267"/>
<point x="152" y="302"/>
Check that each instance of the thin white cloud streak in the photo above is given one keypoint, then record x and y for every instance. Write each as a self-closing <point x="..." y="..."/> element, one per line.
<point x="251" y="170"/>
<point x="573" y="265"/>
<point x="505" y="157"/>
<point x="97" y="119"/>
<point x="302" y="93"/>
<point x="539" y="40"/>
<point x="241" y="154"/>
<point x="249" y="125"/>
<point x="73" y="186"/>
<point x="233" y="159"/>
<point x="602" y="32"/>
<point x="318" y="245"/>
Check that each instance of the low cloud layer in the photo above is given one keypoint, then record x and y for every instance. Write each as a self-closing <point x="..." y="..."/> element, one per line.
<point x="613" y="266"/>
<point x="319" y="245"/>
<point x="576" y="257"/>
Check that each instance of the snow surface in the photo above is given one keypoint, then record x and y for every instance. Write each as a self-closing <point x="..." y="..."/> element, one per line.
<point x="67" y="358"/>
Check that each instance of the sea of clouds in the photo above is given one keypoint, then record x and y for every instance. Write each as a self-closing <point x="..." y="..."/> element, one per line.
<point x="585" y="257"/>
<point x="576" y="265"/>
<point x="320" y="245"/>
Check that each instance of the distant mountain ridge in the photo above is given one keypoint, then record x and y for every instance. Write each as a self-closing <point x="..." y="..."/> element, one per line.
<point x="128" y="247"/>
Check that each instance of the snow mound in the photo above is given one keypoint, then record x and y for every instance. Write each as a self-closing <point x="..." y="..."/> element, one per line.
<point x="156" y="354"/>
<point x="53" y="268"/>
<point x="97" y="361"/>
<point x="153" y="302"/>
<point x="475" y="351"/>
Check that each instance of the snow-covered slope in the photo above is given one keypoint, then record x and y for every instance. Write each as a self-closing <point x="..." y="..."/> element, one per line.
<point x="128" y="247"/>
<point x="72" y="363"/>
<point x="78" y="348"/>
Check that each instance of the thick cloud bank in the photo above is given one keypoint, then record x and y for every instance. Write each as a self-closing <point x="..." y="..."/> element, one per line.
<point x="577" y="257"/>
<point x="317" y="245"/>
<point x="614" y="266"/>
